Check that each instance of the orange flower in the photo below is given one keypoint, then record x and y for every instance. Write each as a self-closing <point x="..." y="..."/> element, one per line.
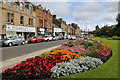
<point x="63" y="55"/>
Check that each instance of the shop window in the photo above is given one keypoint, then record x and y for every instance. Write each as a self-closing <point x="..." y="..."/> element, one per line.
<point x="30" y="9"/>
<point x="8" y="18"/>
<point x="12" y="18"/>
<point x="21" y="19"/>
<point x="21" y="6"/>
<point x="9" y="3"/>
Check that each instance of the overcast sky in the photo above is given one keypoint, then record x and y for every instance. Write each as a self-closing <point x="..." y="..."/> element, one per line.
<point x="94" y="12"/>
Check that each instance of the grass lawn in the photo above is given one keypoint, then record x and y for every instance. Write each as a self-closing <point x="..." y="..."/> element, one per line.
<point x="108" y="69"/>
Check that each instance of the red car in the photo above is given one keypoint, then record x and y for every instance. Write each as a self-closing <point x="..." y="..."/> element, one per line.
<point x="35" y="39"/>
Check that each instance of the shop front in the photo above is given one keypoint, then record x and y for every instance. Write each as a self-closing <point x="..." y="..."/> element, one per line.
<point x="57" y="31"/>
<point x="41" y="31"/>
<point x="27" y="32"/>
<point x="49" y="32"/>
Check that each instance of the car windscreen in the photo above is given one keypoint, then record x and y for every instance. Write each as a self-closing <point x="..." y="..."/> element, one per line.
<point x="10" y="37"/>
<point x="32" y="37"/>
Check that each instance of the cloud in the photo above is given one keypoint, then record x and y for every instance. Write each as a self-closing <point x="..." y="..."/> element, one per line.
<point x="61" y="9"/>
<point x="95" y="11"/>
<point x="73" y="0"/>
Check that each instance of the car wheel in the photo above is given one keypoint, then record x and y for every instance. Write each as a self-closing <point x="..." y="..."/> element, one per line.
<point x="48" y="40"/>
<point x="23" y="42"/>
<point x="10" y="44"/>
<point x="35" y="41"/>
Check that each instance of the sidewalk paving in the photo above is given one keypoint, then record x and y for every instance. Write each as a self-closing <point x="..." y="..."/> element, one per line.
<point x="12" y="62"/>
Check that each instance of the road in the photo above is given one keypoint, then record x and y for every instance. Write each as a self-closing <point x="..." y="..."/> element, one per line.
<point x="15" y="51"/>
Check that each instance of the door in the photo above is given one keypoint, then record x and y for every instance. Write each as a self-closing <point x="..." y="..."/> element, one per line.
<point x="14" y="40"/>
<point x="19" y="40"/>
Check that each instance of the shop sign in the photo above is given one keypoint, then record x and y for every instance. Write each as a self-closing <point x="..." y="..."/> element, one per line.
<point x="19" y="28"/>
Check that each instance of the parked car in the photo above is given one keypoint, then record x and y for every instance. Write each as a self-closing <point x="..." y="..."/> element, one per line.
<point x="55" y="38"/>
<point x="1" y="43"/>
<point x="48" y="38"/>
<point x="65" y="37"/>
<point x="61" y="37"/>
<point x="72" y="37"/>
<point x="35" y="39"/>
<point x="13" y="40"/>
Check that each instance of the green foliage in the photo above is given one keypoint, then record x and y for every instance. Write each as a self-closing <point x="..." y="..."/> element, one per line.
<point x="75" y="66"/>
<point x="115" y="37"/>
<point x="71" y="45"/>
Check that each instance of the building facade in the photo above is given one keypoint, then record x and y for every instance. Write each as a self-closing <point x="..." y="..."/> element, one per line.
<point x="63" y="26"/>
<point x="57" y="31"/>
<point x="69" y="29"/>
<point x="18" y="18"/>
<point x="44" y="21"/>
<point x="73" y="29"/>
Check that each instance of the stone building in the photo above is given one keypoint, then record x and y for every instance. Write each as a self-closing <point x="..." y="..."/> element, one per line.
<point x="56" y="27"/>
<point x="18" y="18"/>
<point x="69" y="29"/>
<point x="44" y="21"/>
<point x="76" y="29"/>
<point x="63" y="26"/>
<point x="73" y="29"/>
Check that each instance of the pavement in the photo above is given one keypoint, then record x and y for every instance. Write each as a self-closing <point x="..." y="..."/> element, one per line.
<point x="13" y="55"/>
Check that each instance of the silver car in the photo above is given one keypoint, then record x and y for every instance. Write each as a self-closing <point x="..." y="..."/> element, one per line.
<point x="55" y="38"/>
<point x="13" y="40"/>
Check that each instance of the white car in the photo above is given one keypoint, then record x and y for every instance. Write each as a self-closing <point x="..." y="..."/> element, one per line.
<point x="48" y="38"/>
<point x="72" y="37"/>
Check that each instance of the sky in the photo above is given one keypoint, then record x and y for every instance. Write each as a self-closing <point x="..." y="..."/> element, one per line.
<point x="85" y="13"/>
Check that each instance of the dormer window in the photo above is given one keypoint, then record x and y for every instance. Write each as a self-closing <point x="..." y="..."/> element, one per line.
<point x="30" y="10"/>
<point x="9" y="3"/>
<point x="21" y="6"/>
<point x="26" y="5"/>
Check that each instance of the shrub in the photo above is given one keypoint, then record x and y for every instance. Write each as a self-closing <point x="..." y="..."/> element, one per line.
<point x="115" y="37"/>
<point x="46" y="54"/>
<point x="102" y="36"/>
<point x="32" y="68"/>
<point x="75" y="66"/>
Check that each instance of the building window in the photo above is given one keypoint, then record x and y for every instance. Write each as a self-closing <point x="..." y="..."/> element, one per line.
<point x="21" y="19"/>
<point x="21" y="6"/>
<point x="49" y="16"/>
<point x="40" y="12"/>
<point x="30" y="9"/>
<point x="8" y="18"/>
<point x="45" y="14"/>
<point x="49" y="25"/>
<point x="41" y="23"/>
<point x="10" y="3"/>
<point x="31" y="21"/>
<point x="12" y="18"/>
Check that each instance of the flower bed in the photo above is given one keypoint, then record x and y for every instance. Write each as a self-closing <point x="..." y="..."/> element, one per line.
<point x="70" y="58"/>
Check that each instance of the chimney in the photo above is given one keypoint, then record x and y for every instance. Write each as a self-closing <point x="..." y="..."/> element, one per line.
<point x="54" y="16"/>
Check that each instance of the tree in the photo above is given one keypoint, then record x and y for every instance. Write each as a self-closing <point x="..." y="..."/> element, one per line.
<point x="118" y="18"/>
